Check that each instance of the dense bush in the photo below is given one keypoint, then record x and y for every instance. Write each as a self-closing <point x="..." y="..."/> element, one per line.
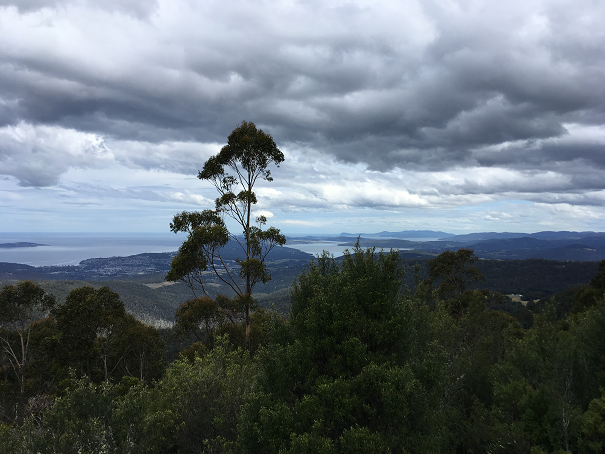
<point x="358" y="366"/>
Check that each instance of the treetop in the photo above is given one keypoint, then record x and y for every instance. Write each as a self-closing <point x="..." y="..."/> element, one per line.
<point x="248" y="147"/>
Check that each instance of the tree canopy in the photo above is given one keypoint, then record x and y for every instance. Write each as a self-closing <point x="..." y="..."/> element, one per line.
<point x="20" y="306"/>
<point x="454" y="270"/>
<point x="361" y="365"/>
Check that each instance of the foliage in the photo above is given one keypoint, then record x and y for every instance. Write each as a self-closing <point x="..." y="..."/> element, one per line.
<point x="359" y="366"/>
<point x="86" y="417"/>
<point x="593" y="426"/>
<point x="248" y="153"/>
<point x="98" y="339"/>
<point x="454" y="271"/>
<point x="88" y="322"/>
<point x="196" y="406"/>
<point x="23" y="303"/>
<point x="340" y="373"/>
<point x="202" y="316"/>
<point x="20" y="306"/>
<point x="588" y="296"/>
<point x="137" y="350"/>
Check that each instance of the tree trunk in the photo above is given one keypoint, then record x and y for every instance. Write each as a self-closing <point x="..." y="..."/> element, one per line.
<point x="248" y="323"/>
<point x="248" y="283"/>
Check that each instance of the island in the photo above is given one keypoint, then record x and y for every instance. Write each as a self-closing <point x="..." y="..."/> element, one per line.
<point x="20" y="244"/>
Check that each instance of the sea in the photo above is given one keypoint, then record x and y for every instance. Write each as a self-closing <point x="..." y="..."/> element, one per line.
<point x="318" y="248"/>
<point x="71" y="248"/>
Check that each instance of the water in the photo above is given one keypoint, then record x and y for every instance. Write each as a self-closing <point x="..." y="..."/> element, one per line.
<point x="72" y="248"/>
<point x="421" y="240"/>
<point x="317" y="248"/>
<point x="331" y="246"/>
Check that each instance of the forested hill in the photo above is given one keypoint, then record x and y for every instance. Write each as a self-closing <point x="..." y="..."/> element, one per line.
<point x="534" y="277"/>
<point x="139" y="279"/>
<point x="506" y="276"/>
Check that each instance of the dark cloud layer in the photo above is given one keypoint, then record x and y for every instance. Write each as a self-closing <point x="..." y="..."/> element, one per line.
<point x="424" y="86"/>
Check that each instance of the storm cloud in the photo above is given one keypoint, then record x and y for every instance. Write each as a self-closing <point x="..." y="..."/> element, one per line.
<point x="407" y="104"/>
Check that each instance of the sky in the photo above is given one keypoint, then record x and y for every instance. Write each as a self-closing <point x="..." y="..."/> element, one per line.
<point x="460" y="116"/>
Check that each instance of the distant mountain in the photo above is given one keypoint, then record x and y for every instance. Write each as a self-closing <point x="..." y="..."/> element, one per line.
<point x="485" y="236"/>
<point x="564" y="246"/>
<point x="563" y="235"/>
<point x="511" y="244"/>
<point x="546" y="235"/>
<point x="527" y="242"/>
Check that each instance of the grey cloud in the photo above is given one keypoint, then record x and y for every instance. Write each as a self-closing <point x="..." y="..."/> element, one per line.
<point x="582" y="199"/>
<point x="37" y="156"/>
<point x="348" y="82"/>
<point x="30" y="5"/>
<point x="136" y="8"/>
<point x="577" y="158"/>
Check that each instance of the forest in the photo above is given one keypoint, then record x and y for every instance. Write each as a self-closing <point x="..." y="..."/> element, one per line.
<point x="360" y="363"/>
<point x="370" y="353"/>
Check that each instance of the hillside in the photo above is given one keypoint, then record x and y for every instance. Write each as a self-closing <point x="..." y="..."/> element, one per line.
<point x="139" y="279"/>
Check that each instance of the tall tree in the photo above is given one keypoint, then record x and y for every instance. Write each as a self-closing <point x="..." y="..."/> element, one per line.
<point x="88" y="322"/>
<point x="455" y="271"/>
<point x="20" y="305"/>
<point x="137" y="350"/>
<point x="588" y="296"/>
<point x="248" y="153"/>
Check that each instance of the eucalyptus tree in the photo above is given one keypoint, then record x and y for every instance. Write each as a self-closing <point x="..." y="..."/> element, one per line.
<point x="234" y="171"/>
<point x="455" y="271"/>
<point x="20" y="306"/>
<point x="89" y="322"/>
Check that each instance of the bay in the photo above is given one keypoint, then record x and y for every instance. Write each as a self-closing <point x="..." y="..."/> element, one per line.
<point x="330" y="246"/>
<point x="317" y="248"/>
<point x="72" y="248"/>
